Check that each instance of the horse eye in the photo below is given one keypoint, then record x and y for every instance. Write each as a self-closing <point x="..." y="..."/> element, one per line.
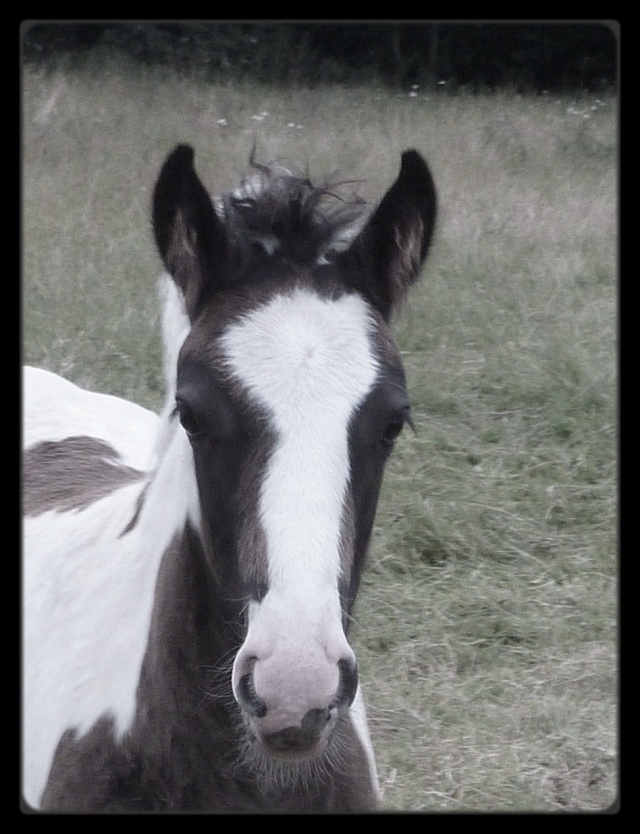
<point x="392" y="432"/>
<point x="188" y="420"/>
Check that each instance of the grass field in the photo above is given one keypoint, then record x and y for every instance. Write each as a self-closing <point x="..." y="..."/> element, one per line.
<point x="486" y="628"/>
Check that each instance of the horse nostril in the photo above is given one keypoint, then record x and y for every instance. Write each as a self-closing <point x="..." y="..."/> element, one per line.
<point x="348" y="684"/>
<point x="248" y="698"/>
<point x="315" y="721"/>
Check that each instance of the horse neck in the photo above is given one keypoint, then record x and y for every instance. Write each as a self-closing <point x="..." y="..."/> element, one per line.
<point x="189" y="618"/>
<point x="189" y="635"/>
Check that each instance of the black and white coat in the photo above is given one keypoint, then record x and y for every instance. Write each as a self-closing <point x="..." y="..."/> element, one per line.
<point x="189" y="578"/>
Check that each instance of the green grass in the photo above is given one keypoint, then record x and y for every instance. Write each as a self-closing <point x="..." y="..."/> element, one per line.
<point x="486" y="627"/>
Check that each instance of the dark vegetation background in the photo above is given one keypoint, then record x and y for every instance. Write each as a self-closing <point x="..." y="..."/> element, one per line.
<point x="532" y="57"/>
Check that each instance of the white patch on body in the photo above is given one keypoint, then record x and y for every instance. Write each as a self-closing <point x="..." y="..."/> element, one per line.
<point x="88" y="590"/>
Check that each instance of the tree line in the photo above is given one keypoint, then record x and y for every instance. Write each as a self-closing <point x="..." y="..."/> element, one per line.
<point x="528" y="56"/>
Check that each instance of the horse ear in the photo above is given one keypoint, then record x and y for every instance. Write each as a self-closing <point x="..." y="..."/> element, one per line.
<point x="385" y="258"/>
<point x="190" y="237"/>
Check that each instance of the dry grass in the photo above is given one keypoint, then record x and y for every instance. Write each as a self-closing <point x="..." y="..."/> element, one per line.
<point x="486" y="626"/>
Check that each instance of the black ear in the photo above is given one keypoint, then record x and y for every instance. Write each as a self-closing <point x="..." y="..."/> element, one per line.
<point x="386" y="257"/>
<point x="190" y="237"/>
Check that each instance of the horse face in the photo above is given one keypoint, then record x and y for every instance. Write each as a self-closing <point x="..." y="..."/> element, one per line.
<point x="292" y="392"/>
<point x="291" y="418"/>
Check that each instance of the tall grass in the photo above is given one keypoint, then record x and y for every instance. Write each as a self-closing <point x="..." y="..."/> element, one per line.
<point x="486" y="625"/>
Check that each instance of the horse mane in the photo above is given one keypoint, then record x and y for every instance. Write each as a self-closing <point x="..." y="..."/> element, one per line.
<point x="277" y="213"/>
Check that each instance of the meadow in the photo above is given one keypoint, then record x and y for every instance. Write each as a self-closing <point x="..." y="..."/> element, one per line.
<point x="486" y="627"/>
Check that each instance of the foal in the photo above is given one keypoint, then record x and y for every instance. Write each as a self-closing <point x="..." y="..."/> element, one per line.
<point x="189" y="579"/>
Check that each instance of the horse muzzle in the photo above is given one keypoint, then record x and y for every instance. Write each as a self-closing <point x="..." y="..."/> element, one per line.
<point x="292" y="710"/>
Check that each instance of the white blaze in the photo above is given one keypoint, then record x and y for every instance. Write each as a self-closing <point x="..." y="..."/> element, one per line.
<point x="308" y="361"/>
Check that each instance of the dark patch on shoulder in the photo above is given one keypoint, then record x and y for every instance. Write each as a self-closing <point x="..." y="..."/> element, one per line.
<point x="72" y="474"/>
